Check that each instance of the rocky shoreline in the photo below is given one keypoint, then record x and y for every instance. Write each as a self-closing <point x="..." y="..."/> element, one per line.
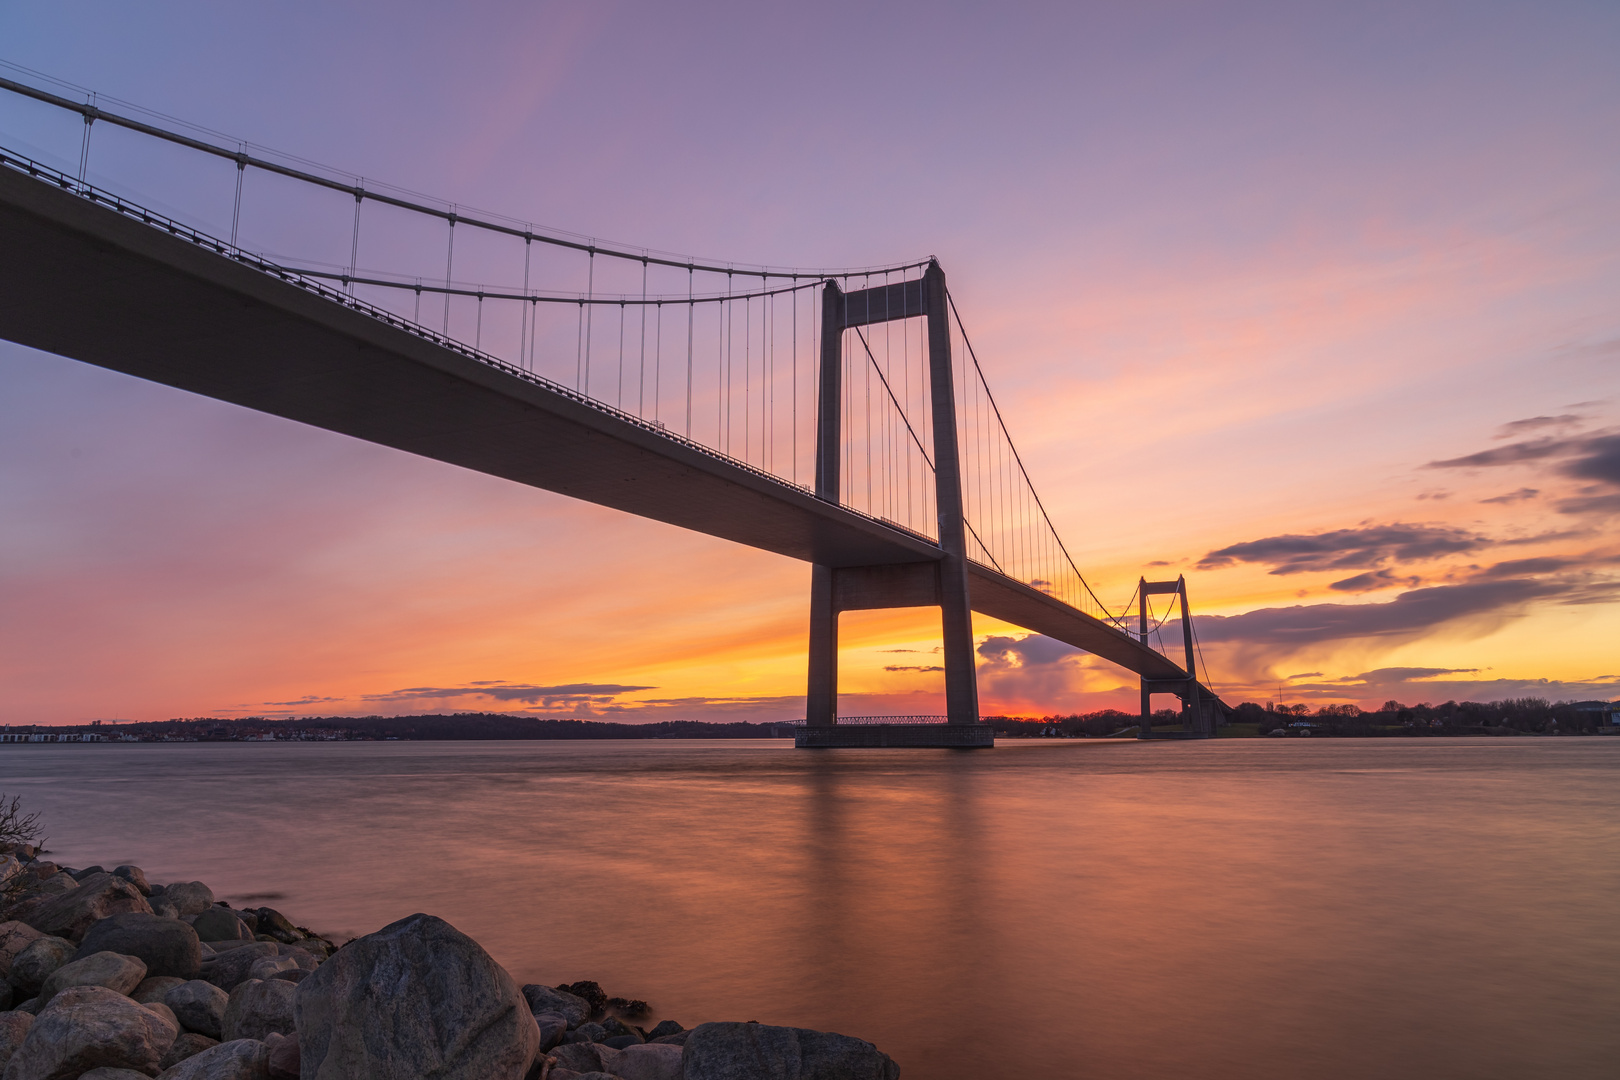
<point x="107" y="976"/>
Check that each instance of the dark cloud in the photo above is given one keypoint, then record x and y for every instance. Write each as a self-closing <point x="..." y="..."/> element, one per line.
<point x="1409" y="614"/>
<point x="1384" y="676"/>
<point x="1593" y="458"/>
<point x="1372" y="579"/>
<point x="1035" y="650"/>
<point x="1347" y="549"/>
<point x="1523" y="567"/>
<point x="1511" y="454"/>
<point x="1514" y="496"/>
<point x="913" y="667"/>
<point x="1412" y="685"/>
<point x="1598" y="460"/>
<point x="308" y="699"/>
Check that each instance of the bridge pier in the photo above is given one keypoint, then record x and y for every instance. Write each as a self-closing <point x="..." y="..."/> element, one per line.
<point x="944" y="583"/>
<point x="1197" y="704"/>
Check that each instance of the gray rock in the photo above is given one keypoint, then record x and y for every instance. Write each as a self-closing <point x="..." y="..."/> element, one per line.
<point x="591" y="1032"/>
<point x="162" y="1010"/>
<point x="662" y="1028"/>
<point x="219" y="924"/>
<point x="112" y="970"/>
<point x="97" y="897"/>
<point x="543" y="999"/>
<point x="34" y="964"/>
<point x="187" y="1044"/>
<point x="11" y="869"/>
<point x="200" y="1007"/>
<point x="166" y="946"/>
<point x="654" y="1061"/>
<point x="229" y="968"/>
<point x="153" y="987"/>
<point x="6" y="993"/>
<point x="614" y="1028"/>
<point x="13" y="1029"/>
<point x="292" y="975"/>
<point x="269" y="966"/>
<point x="748" y="1051"/>
<point x="570" y="1074"/>
<point x="106" y="1072"/>
<point x="86" y="1027"/>
<point x="284" y="1057"/>
<point x="585" y="1057"/>
<point x="163" y="909"/>
<point x="80" y="875"/>
<point x="244" y="1059"/>
<point x="552" y="1029"/>
<point x="277" y="925"/>
<point x="189" y="897"/>
<point x="416" y="998"/>
<point x="258" y="1007"/>
<point x="14" y="938"/>
<point x="133" y="875"/>
<point x="31" y="1006"/>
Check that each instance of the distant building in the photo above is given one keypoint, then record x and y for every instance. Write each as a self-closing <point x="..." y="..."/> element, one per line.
<point x="1608" y="712"/>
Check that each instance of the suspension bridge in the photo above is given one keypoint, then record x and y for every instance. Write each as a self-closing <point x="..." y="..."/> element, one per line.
<point x="838" y="416"/>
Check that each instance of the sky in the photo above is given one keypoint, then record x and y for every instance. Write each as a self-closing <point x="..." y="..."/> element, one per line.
<point x="1315" y="304"/>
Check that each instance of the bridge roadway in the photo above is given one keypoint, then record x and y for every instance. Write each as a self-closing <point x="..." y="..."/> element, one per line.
<point x="93" y="284"/>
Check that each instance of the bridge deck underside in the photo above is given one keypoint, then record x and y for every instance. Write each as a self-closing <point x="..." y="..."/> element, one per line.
<point x="85" y="282"/>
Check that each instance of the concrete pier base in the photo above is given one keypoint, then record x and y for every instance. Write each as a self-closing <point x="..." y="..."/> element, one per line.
<point x="959" y="736"/>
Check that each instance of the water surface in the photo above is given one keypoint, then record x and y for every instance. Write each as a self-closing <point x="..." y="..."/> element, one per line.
<point x="1337" y="909"/>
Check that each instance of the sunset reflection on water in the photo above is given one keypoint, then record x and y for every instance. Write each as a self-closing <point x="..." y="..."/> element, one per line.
<point x="1393" y="908"/>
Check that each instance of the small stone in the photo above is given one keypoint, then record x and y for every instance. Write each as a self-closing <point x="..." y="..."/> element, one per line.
<point x="277" y="925"/>
<point x="662" y="1028"/>
<point x="97" y="897"/>
<point x="166" y="946"/>
<point x="552" y="1029"/>
<point x="188" y="1044"/>
<point x="244" y="1059"/>
<point x="258" y="1007"/>
<point x="733" y="1051"/>
<point x="284" y="1057"/>
<point x="417" y="998"/>
<point x="585" y="1057"/>
<point x="34" y="964"/>
<point x="268" y="966"/>
<point x="544" y="999"/>
<point x="86" y="1027"/>
<point x="14" y="938"/>
<point x="163" y="909"/>
<point x="112" y="970"/>
<point x="13" y="1029"/>
<point x="199" y="1006"/>
<point x="650" y="1062"/>
<point x="189" y="897"/>
<point x="133" y="875"/>
<point x="614" y="1028"/>
<point x="219" y="924"/>
<point x="631" y="1008"/>
<point x="592" y="1032"/>
<point x="80" y="875"/>
<point x="153" y="987"/>
<point x="236" y="965"/>
<point x="590" y="991"/>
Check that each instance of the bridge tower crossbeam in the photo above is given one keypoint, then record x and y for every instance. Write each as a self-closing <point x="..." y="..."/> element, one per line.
<point x="1198" y="705"/>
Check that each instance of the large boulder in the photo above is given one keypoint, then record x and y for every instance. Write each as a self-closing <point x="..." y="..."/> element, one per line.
<point x="189" y="897"/>
<point x="11" y="870"/>
<point x="34" y="964"/>
<point x="187" y="1044"/>
<point x="258" y="1007"/>
<point x="229" y="968"/>
<point x="13" y="1029"/>
<point x="543" y="999"/>
<point x="244" y="1059"/>
<point x="200" y="1007"/>
<point x="220" y="924"/>
<point x="416" y="998"/>
<point x="96" y="897"/>
<point x="734" y="1051"/>
<point x="86" y="1027"/>
<point x="166" y="946"/>
<point x="112" y="970"/>
<point x="14" y="938"/>
<point x="652" y="1061"/>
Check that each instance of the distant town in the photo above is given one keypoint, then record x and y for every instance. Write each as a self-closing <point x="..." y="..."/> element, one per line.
<point x="1519" y="716"/>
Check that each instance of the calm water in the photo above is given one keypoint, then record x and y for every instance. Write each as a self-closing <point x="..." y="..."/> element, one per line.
<point x="1075" y="909"/>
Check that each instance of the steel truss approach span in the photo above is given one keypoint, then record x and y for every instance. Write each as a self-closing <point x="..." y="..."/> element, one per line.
<point x="911" y="492"/>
